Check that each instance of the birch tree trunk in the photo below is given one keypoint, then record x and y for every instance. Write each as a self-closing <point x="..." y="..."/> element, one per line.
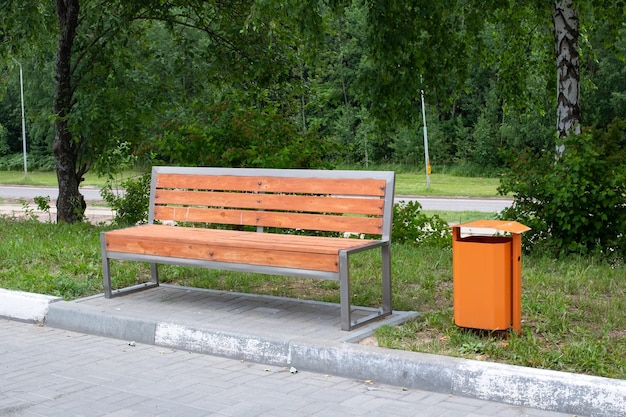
<point x="566" y="33"/>
<point x="70" y="203"/>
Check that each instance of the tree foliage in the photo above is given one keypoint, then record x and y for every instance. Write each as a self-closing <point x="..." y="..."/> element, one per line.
<point x="232" y="135"/>
<point x="575" y="205"/>
<point x="96" y="106"/>
<point x="415" y="45"/>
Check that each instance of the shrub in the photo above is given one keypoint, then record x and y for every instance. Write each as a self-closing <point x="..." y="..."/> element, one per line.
<point x="576" y="203"/>
<point x="4" y="145"/>
<point x="131" y="207"/>
<point x="411" y="225"/>
<point x="12" y="162"/>
<point x="15" y="162"/>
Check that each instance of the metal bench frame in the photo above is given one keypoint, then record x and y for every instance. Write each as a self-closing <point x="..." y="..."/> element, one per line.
<point x="342" y="276"/>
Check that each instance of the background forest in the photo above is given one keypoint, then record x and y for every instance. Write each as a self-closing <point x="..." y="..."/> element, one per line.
<point x="176" y="94"/>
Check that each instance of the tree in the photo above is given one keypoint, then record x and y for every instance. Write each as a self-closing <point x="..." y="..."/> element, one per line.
<point x="566" y="34"/>
<point x="76" y="54"/>
<point x="19" y="41"/>
<point x="92" y="37"/>
<point x="419" y="43"/>
<point x="70" y="203"/>
<point x="123" y="68"/>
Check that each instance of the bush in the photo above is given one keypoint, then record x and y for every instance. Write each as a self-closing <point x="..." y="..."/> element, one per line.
<point x="4" y="145"/>
<point x="12" y="162"/>
<point x="576" y="203"/>
<point x="15" y="162"/>
<point x="411" y="225"/>
<point x="130" y="208"/>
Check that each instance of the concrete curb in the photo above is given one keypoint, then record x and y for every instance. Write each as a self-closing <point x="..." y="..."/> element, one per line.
<point x="82" y="319"/>
<point x="528" y="387"/>
<point x="25" y="306"/>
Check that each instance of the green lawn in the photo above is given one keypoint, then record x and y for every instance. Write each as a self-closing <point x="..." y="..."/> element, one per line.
<point x="445" y="185"/>
<point x="47" y="179"/>
<point x="41" y="179"/>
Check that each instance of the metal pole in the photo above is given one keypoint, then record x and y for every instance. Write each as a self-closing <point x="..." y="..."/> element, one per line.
<point x="23" y="119"/>
<point x="426" y="157"/>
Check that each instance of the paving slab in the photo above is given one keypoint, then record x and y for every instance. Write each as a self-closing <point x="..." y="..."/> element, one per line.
<point x="180" y="314"/>
<point x="88" y="375"/>
<point x="306" y="335"/>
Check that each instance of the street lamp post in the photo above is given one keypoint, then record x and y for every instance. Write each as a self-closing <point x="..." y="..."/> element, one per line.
<point x="23" y="119"/>
<point x="426" y="157"/>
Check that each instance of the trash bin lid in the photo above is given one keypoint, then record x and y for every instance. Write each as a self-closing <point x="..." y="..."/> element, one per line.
<point x="501" y="225"/>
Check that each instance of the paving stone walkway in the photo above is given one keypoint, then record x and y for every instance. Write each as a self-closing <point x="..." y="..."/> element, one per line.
<point x="51" y="372"/>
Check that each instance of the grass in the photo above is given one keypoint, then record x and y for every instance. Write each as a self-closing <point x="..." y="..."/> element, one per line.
<point x="412" y="183"/>
<point x="573" y="309"/>
<point x="52" y="259"/>
<point x="573" y="318"/>
<point x="49" y="179"/>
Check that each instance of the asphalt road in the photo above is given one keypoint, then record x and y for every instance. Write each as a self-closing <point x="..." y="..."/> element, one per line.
<point x="29" y="192"/>
<point x="485" y="205"/>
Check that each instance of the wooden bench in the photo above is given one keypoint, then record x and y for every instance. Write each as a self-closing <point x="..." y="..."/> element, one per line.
<point x="269" y="209"/>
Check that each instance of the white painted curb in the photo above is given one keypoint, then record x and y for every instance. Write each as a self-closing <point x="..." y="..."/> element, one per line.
<point x="25" y="306"/>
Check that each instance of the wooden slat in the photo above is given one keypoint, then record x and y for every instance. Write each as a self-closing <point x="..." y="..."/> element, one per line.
<point x="340" y="186"/>
<point x="353" y="224"/>
<point x="249" y="256"/>
<point x="308" y="203"/>
<point x="286" y="242"/>
<point x="210" y="251"/>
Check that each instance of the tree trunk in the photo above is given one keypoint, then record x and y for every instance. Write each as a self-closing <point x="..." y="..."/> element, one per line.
<point x="70" y="204"/>
<point x="566" y="33"/>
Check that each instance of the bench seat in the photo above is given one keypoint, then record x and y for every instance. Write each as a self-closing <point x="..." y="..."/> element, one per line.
<point x="231" y="246"/>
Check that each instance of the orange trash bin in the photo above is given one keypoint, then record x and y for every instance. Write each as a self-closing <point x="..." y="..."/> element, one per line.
<point x="487" y="274"/>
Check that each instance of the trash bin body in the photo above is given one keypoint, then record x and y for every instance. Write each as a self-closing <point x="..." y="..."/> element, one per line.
<point x="487" y="276"/>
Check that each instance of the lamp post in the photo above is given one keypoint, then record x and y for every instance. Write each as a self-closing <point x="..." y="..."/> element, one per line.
<point x="23" y="120"/>
<point x="426" y="157"/>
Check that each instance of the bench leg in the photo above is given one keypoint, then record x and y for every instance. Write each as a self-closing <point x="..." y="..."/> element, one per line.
<point x="346" y="295"/>
<point x="344" y="290"/>
<point x="106" y="270"/>
<point x="106" y="277"/>
<point x="154" y="273"/>
<point x="386" y="277"/>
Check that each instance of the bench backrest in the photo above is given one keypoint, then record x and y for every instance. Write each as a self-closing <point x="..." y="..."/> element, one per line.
<point x="333" y="200"/>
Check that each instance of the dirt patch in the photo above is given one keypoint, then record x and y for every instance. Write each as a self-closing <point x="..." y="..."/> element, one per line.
<point x="369" y="341"/>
